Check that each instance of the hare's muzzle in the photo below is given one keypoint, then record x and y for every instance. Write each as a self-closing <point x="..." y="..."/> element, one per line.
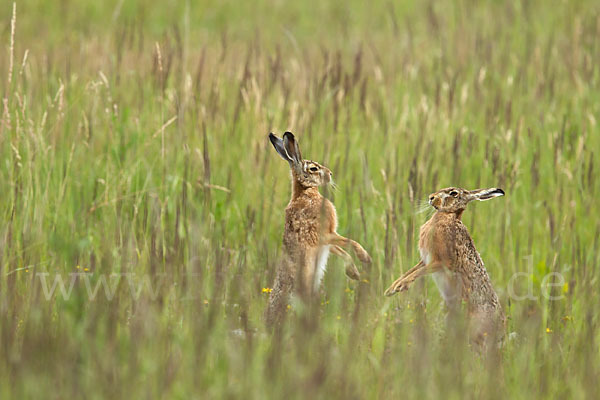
<point x="434" y="201"/>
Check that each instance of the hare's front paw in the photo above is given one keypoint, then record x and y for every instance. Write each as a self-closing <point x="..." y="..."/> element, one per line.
<point x="352" y="272"/>
<point x="400" y="285"/>
<point x="363" y="256"/>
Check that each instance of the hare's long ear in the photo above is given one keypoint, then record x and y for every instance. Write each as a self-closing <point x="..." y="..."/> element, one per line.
<point x="485" y="194"/>
<point x="292" y="147"/>
<point x="278" y="144"/>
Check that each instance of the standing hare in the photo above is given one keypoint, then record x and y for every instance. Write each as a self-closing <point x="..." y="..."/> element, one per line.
<point x="447" y="252"/>
<point x="310" y="232"/>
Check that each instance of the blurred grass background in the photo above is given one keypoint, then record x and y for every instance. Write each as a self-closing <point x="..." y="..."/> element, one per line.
<point x="133" y="140"/>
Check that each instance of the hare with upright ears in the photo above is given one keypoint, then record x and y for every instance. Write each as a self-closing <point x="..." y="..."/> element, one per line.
<point x="447" y="252"/>
<point x="310" y="232"/>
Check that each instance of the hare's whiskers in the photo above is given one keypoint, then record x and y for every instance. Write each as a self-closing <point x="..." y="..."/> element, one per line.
<point x="422" y="206"/>
<point x="333" y="185"/>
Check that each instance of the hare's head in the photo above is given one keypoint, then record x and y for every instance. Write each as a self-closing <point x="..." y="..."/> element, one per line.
<point x="454" y="200"/>
<point x="306" y="172"/>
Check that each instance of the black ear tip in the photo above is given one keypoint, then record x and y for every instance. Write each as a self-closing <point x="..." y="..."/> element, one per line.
<point x="289" y="135"/>
<point x="272" y="135"/>
<point x="498" y="190"/>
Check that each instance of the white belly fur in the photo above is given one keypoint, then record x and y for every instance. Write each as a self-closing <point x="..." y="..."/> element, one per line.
<point x="444" y="281"/>
<point x="322" y="257"/>
<point x="447" y="287"/>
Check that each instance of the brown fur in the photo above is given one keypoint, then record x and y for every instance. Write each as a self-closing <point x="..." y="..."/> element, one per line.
<point x="448" y="251"/>
<point x="310" y="225"/>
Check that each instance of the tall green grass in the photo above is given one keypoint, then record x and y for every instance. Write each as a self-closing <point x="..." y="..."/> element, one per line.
<point x="133" y="142"/>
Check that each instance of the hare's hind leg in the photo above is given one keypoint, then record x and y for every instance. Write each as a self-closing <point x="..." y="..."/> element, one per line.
<point x="351" y="270"/>
<point x="279" y="297"/>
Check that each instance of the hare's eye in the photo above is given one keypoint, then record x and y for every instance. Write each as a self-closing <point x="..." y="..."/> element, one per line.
<point x="454" y="193"/>
<point x="314" y="169"/>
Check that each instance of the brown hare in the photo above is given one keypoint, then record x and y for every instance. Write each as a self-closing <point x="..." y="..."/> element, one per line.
<point x="447" y="252"/>
<point x="310" y="232"/>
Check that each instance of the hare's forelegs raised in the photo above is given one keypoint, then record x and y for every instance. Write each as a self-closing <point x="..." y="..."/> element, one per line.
<point x="335" y="239"/>
<point x="351" y="270"/>
<point x="390" y="291"/>
<point x="402" y="283"/>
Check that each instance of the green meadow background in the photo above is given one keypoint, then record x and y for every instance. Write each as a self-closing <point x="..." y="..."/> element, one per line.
<point x="134" y="155"/>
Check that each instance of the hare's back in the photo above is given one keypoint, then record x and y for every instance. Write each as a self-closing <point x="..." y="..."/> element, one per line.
<point x="477" y="286"/>
<point x="306" y="217"/>
<point x="300" y="227"/>
<point x="466" y="253"/>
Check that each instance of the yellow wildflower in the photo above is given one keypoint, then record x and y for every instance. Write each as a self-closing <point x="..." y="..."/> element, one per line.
<point x="267" y="290"/>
